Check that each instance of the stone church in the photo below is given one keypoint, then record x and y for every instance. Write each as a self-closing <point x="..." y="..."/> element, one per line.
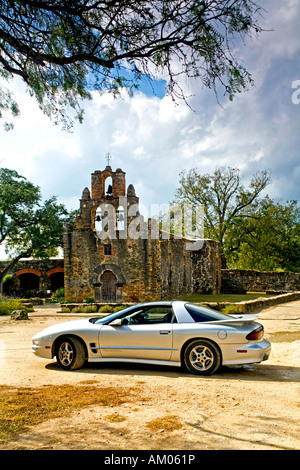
<point x="111" y="254"/>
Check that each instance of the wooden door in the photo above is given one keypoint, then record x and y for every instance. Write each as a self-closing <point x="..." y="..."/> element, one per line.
<point x="108" y="290"/>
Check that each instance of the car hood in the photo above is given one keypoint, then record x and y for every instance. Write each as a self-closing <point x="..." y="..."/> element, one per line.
<point x="68" y="326"/>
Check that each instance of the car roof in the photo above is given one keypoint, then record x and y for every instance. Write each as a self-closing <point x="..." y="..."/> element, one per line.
<point x="157" y="302"/>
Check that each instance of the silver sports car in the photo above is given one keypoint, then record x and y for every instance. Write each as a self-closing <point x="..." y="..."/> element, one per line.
<point x="166" y="333"/>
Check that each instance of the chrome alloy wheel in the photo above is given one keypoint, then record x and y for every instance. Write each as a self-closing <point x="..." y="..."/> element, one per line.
<point x="201" y="358"/>
<point x="70" y="353"/>
<point x="65" y="353"/>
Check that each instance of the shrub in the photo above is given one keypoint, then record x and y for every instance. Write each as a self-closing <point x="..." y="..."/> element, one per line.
<point x="8" y="278"/>
<point x="8" y="282"/>
<point x="89" y="300"/>
<point x="77" y="310"/>
<point x="65" y="310"/>
<point x="8" y="306"/>
<point x="89" y="309"/>
<point x="106" y="309"/>
<point x="231" y="309"/>
<point x="59" y="294"/>
<point x="117" y="309"/>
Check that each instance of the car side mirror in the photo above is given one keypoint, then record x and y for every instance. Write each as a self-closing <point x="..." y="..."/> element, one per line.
<point x="117" y="322"/>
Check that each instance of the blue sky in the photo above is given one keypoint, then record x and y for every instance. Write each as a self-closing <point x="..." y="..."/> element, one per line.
<point x="153" y="140"/>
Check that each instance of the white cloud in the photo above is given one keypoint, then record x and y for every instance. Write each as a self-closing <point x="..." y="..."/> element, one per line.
<point x="153" y="139"/>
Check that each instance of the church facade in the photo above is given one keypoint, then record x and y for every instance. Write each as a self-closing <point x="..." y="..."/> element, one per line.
<point x="112" y="254"/>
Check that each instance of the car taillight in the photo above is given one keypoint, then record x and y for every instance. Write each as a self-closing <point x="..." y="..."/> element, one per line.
<point x="256" y="334"/>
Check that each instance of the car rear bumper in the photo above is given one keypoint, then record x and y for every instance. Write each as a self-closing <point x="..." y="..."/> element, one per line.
<point x="248" y="353"/>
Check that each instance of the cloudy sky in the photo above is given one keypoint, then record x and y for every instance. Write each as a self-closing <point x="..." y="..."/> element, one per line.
<point x="153" y="140"/>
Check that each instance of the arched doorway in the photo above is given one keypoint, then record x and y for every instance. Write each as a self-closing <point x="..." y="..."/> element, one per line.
<point x="29" y="282"/>
<point x="56" y="281"/>
<point x="108" y="290"/>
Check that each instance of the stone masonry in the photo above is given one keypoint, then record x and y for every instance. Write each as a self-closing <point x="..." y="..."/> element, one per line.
<point x="241" y="280"/>
<point x="111" y="255"/>
<point x="34" y="275"/>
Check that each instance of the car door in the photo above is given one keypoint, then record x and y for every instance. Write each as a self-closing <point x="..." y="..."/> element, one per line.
<point x="147" y="334"/>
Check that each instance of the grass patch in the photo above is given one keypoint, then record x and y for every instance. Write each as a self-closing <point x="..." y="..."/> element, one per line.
<point x="232" y="298"/>
<point x="24" y="407"/>
<point x="231" y="309"/>
<point x="166" y="423"/>
<point x="116" y="418"/>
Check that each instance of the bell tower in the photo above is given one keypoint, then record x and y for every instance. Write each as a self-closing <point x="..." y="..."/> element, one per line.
<point x="108" y="187"/>
<point x="103" y="191"/>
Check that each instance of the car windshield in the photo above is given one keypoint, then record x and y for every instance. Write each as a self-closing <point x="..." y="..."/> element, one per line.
<point x="113" y="316"/>
<point x="201" y="314"/>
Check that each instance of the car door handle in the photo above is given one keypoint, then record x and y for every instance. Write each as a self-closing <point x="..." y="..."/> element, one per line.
<point x="164" y="332"/>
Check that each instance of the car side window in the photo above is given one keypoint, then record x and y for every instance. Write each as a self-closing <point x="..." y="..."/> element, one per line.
<point x="152" y="315"/>
<point x="203" y="314"/>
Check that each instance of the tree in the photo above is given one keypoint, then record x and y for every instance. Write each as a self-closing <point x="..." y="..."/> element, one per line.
<point x="28" y="227"/>
<point x="268" y="239"/>
<point x="223" y="197"/>
<point x="63" y="49"/>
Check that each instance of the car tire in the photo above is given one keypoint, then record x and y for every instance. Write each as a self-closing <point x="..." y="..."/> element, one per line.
<point x="70" y="353"/>
<point x="202" y="357"/>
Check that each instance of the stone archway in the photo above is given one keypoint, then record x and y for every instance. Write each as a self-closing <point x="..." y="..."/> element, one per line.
<point x="97" y="281"/>
<point x="108" y="289"/>
<point x="55" y="278"/>
<point x="28" y="279"/>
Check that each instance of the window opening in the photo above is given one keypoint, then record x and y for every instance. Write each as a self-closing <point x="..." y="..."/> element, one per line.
<point x="108" y="187"/>
<point x="107" y="250"/>
<point x="120" y="218"/>
<point x="98" y="219"/>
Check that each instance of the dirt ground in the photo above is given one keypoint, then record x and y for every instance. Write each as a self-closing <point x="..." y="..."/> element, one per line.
<point x="246" y="408"/>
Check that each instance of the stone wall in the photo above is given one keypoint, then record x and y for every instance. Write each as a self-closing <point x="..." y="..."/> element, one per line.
<point x="146" y="266"/>
<point x="132" y="262"/>
<point x="240" y="281"/>
<point x="145" y="269"/>
<point x="43" y="275"/>
<point x="207" y="268"/>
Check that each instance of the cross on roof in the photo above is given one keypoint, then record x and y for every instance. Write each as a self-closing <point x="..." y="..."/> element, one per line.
<point x="108" y="158"/>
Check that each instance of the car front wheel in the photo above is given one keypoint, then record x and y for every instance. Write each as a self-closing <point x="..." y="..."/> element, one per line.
<point x="70" y="354"/>
<point x="202" y="357"/>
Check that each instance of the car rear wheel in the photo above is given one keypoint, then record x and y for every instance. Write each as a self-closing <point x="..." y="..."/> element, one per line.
<point x="202" y="357"/>
<point x="70" y="354"/>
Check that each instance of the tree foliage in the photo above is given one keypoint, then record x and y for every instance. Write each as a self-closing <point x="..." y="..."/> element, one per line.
<point x="223" y="196"/>
<point x="63" y="49"/>
<point x="268" y="239"/>
<point x="254" y="231"/>
<point x="28" y="226"/>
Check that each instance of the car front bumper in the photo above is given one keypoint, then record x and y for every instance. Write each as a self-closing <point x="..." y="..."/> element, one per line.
<point x="41" y="348"/>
